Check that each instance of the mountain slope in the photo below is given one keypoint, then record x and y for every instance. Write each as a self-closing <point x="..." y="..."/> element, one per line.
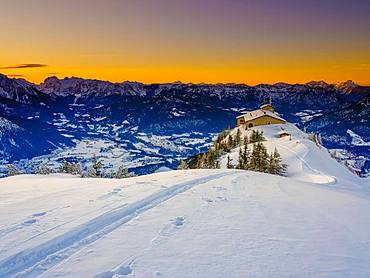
<point x="208" y="222"/>
<point x="20" y="91"/>
<point x="196" y="223"/>
<point x="155" y="125"/>
<point x="307" y="160"/>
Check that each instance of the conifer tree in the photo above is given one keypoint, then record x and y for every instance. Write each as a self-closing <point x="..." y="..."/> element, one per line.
<point x="183" y="165"/>
<point x="229" y="165"/>
<point x="280" y="167"/>
<point x="246" y="157"/>
<point x="246" y="140"/>
<point x="97" y="165"/>
<point x="12" y="170"/>
<point x="240" y="164"/>
<point x="230" y="143"/>
<point x="253" y="138"/>
<point x="70" y="168"/>
<point x="238" y="137"/>
<point x="263" y="167"/>
<point x="272" y="164"/>
<point x="123" y="173"/>
<point x="259" y="158"/>
<point x="210" y="157"/>
<point x="254" y="160"/>
<point x="256" y="136"/>
<point x="43" y="169"/>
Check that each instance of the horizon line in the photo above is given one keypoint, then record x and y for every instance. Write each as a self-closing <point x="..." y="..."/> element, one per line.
<point x="10" y="76"/>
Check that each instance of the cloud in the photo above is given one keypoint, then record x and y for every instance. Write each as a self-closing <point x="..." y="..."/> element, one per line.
<point x="23" y="66"/>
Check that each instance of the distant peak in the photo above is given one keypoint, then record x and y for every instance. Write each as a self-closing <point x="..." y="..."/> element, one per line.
<point x="51" y="78"/>
<point x="347" y="83"/>
<point x="347" y="86"/>
<point x="320" y="83"/>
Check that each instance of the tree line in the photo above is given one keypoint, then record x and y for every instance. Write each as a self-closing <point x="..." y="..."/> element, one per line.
<point x="95" y="170"/>
<point x="256" y="160"/>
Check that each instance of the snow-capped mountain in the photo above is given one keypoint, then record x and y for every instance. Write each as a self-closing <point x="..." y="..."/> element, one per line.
<point x="347" y="86"/>
<point x="148" y="126"/>
<point x="353" y="91"/>
<point x="19" y="90"/>
<point x="84" y="88"/>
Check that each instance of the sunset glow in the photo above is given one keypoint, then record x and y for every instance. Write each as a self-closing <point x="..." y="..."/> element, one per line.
<point x="190" y="41"/>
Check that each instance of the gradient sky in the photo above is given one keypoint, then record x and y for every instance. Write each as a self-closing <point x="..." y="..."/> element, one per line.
<point x="243" y="41"/>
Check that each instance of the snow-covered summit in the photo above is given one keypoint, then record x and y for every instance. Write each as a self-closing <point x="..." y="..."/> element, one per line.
<point x="307" y="160"/>
<point x="347" y="86"/>
<point x="79" y="87"/>
<point x="19" y="90"/>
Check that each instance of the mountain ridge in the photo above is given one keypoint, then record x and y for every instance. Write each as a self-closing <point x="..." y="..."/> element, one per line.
<point x="146" y="120"/>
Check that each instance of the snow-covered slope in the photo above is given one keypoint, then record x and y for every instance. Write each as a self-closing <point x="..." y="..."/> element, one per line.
<point x="193" y="223"/>
<point x="306" y="160"/>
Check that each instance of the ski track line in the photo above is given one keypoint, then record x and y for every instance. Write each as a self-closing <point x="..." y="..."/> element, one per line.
<point x="168" y="230"/>
<point x="308" y="165"/>
<point x="34" y="261"/>
<point x="21" y="226"/>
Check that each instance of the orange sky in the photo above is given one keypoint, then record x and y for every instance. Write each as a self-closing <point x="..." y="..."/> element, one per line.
<point x="191" y="41"/>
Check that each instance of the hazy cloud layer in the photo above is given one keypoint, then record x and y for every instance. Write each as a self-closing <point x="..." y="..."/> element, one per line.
<point x="23" y="66"/>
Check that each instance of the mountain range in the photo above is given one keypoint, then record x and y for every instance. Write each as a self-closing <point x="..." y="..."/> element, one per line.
<point x="148" y="126"/>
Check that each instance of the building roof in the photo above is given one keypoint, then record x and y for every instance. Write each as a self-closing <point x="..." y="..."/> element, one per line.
<point x="266" y="105"/>
<point x="284" y="132"/>
<point x="251" y="115"/>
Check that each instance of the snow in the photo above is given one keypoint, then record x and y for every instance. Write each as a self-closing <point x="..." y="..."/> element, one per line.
<point x="308" y="115"/>
<point x="306" y="161"/>
<point x="163" y="169"/>
<point x="99" y="119"/>
<point x="356" y="139"/>
<point x="192" y="223"/>
<point x="251" y="115"/>
<point x="177" y="113"/>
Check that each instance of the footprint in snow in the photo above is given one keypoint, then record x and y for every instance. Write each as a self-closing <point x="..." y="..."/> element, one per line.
<point x="208" y="200"/>
<point x="219" y="188"/>
<point x="216" y="200"/>
<point x="25" y="223"/>
<point x="178" y="221"/>
<point x="121" y="271"/>
<point x="29" y="222"/>
<point x="38" y="214"/>
<point x="114" y="192"/>
<point x="169" y="229"/>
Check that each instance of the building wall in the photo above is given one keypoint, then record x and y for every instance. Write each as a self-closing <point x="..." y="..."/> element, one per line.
<point x="264" y="120"/>
<point x="239" y="121"/>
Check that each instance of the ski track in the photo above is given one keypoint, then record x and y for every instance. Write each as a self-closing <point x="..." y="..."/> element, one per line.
<point x="34" y="220"/>
<point x="34" y="261"/>
<point x="126" y="266"/>
<point x="331" y="180"/>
